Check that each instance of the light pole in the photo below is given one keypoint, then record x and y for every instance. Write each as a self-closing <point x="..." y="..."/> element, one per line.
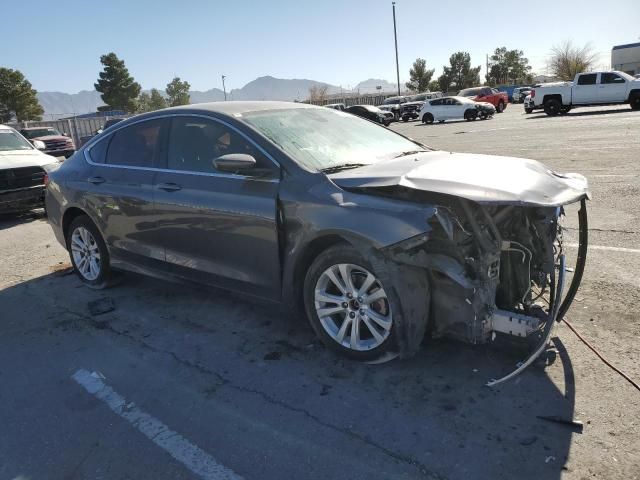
<point x="395" y="36"/>
<point x="224" y="88"/>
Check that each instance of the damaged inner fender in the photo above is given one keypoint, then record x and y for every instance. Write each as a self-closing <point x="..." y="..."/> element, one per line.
<point x="489" y="265"/>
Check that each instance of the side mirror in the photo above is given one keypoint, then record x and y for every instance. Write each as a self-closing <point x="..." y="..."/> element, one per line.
<point x="39" y="144"/>
<point x="233" y="162"/>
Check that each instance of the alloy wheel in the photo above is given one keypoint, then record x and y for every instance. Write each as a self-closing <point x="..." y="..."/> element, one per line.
<point x="353" y="307"/>
<point x="86" y="254"/>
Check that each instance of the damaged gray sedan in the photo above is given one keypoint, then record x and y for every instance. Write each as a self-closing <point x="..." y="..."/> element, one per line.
<point x="377" y="238"/>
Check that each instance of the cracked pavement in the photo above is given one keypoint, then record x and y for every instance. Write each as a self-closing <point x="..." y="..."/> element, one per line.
<point x="247" y="382"/>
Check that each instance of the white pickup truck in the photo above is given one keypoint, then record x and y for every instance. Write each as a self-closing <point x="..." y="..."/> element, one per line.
<point x="588" y="89"/>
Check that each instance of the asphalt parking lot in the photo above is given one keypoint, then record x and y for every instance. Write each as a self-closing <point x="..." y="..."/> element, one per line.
<point x="179" y="383"/>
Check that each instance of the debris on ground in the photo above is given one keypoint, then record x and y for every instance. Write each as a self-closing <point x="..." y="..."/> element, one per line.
<point x="61" y="269"/>
<point x="578" y="425"/>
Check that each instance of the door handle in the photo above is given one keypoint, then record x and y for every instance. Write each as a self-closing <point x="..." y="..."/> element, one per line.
<point x="169" y="187"/>
<point x="95" y="180"/>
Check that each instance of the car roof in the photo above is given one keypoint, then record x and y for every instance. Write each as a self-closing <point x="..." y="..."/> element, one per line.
<point x="36" y="128"/>
<point x="239" y="107"/>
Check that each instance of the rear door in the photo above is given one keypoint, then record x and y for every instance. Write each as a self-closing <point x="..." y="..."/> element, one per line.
<point x="585" y="90"/>
<point x="612" y="88"/>
<point x="118" y="189"/>
<point x="218" y="227"/>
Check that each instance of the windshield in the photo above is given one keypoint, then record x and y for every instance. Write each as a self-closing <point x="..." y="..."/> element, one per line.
<point x="39" y="132"/>
<point x="625" y="75"/>
<point x="12" y="141"/>
<point x="469" y="92"/>
<point x="392" y="101"/>
<point x="322" y="138"/>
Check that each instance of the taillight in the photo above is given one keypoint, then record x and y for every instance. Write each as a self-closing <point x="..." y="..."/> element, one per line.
<point x="46" y="180"/>
<point x="533" y="93"/>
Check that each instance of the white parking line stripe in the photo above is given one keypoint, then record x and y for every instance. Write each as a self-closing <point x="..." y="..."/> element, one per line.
<point x="191" y="456"/>
<point x="602" y="247"/>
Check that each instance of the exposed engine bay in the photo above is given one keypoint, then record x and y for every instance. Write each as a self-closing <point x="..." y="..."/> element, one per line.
<point x="493" y="268"/>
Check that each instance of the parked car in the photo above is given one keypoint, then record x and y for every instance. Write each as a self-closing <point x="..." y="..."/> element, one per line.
<point x="372" y="234"/>
<point x="410" y="109"/>
<point x="23" y="172"/>
<point x="55" y="143"/>
<point x="588" y="89"/>
<point x="371" y="113"/>
<point x="528" y="104"/>
<point x="487" y="94"/>
<point x="393" y="105"/>
<point x="520" y="93"/>
<point x="454" y="108"/>
<point x="336" y="106"/>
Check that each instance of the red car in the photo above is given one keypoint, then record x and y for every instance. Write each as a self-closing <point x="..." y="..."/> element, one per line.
<point x="487" y="94"/>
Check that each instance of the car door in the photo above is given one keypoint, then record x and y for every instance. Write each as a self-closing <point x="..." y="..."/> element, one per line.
<point x="435" y="108"/>
<point x="218" y="227"/>
<point x="612" y="88"/>
<point x="118" y="189"/>
<point x="585" y="90"/>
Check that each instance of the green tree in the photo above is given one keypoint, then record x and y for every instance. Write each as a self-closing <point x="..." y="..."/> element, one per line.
<point x="150" y="102"/>
<point x="444" y="82"/>
<point x="17" y="97"/>
<point x="118" y="88"/>
<point x="419" y="76"/>
<point x="434" y="85"/>
<point x="178" y="92"/>
<point x="568" y="60"/>
<point x="459" y="72"/>
<point x="508" y="66"/>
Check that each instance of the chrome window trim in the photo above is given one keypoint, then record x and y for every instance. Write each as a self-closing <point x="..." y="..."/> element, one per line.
<point x="87" y="150"/>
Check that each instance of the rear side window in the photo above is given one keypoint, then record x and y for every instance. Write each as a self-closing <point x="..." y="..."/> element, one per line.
<point x="137" y="145"/>
<point x="98" y="152"/>
<point x="587" y="79"/>
<point x="611" y="78"/>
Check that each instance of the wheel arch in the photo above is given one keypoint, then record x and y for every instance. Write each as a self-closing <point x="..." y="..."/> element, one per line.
<point x="308" y="253"/>
<point x="633" y="93"/>
<point x="552" y="96"/>
<point x="69" y="215"/>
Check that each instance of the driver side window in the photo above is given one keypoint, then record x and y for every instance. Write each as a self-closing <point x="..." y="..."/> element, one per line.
<point x="194" y="144"/>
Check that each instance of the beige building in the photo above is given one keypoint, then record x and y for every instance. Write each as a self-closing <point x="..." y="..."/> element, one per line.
<point x="626" y="58"/>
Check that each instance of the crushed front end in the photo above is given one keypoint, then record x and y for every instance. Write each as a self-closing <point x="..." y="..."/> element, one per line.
<point x="493" y="268"/>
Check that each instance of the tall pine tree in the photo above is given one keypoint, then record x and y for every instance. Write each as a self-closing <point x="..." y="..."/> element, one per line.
<point x="118" y="88"/>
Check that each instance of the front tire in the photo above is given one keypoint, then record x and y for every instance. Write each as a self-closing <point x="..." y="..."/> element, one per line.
<point x="88" y="252"/>
<point x="528" y="110"/>
<point x="634" y="102"/>
<point x="348" y="306"/>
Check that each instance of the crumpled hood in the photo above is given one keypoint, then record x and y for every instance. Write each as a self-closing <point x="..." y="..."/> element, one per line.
<point x="480" y="178"/>
<point x="25" y="158"/>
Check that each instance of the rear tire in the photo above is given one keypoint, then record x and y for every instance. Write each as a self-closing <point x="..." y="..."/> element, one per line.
<point x="500" y="107"/>
<point x="88" y="252"/>
<point x="427" y="118"/>
<point x="552" y="107"/>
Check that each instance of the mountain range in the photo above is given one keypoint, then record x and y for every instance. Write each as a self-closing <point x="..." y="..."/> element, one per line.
<point x="58" y="104"/>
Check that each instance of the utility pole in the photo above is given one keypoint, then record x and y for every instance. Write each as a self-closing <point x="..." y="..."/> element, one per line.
<point x="224" y="88"/>
<point x="395" y="36"/>
<point x="487" y="75"/>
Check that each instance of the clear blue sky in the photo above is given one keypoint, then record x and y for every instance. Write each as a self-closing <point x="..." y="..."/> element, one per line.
<point x="57" y="44"/>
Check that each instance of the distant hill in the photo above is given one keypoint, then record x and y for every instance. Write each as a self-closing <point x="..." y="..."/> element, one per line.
<point x="58" y="104"/>
<point x="369" y="86"/>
